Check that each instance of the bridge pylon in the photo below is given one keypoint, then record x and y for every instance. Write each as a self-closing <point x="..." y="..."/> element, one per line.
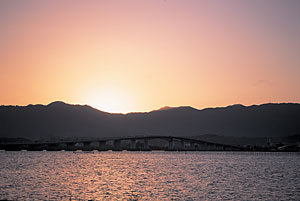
<point x="133" y="144"/>
<point x="171" y="144"/>
<point x="117" y="145"/>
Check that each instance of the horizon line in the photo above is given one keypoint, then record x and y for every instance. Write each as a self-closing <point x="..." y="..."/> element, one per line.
<point x="159" y="109"/>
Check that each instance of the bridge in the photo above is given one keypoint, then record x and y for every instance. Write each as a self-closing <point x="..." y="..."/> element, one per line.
<point x="142" y="143"/>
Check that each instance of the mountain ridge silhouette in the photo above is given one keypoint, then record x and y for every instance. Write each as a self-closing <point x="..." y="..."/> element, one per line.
<point x="63" y="120"/>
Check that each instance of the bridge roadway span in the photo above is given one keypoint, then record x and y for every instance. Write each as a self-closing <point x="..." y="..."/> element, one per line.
<point x="142" y="143"/>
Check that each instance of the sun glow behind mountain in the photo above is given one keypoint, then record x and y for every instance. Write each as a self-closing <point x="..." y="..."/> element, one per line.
<point x="110" y="100"/>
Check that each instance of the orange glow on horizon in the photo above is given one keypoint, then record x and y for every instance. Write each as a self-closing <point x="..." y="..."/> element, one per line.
<point x="131" y="56"/>
<point x="110" y="100"/>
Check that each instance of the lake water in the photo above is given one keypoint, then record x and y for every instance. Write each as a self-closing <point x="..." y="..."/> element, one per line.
<point x="149" y="176"/>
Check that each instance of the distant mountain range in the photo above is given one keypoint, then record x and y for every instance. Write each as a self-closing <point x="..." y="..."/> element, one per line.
<point x="59" y="120"/>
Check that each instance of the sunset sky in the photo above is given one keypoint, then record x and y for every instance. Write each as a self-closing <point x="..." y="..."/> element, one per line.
<point x="139" y="55"/>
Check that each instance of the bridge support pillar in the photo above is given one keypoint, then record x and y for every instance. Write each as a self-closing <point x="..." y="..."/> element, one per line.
<point x="87" y="146"/>
<point x="182" y="145"/>
<point x="117" y="145"/>
<point x="195" y="146"/>
<point x="102" y="144"/>
<point x="62" y="146"/>
<point x="71" y="146"/>
<point x="214" y="147"/>
<point x="171" y="144"/>
<point x="146" y="144"/>
<point x="133" y="144"/>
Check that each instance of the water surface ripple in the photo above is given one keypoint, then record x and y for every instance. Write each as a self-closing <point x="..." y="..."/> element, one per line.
<point x="149" y="176"/>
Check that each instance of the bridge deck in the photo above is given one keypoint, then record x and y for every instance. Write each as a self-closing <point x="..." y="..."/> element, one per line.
<point x="86" y="144"/>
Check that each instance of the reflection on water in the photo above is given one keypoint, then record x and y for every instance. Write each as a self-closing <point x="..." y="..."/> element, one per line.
<point x="149" y="176"/>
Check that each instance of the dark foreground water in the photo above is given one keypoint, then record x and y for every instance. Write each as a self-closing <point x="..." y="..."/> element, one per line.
<point x="149" y="176"/>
